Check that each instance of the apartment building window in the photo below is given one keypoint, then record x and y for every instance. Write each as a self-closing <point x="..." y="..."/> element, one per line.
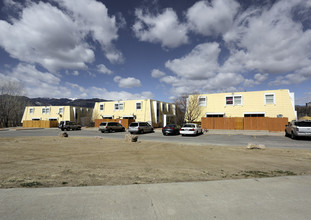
<point x="45" y="110"/>
<point x="107" y="117"/>
<point x="215" y="115"/>
<point x="237" y="100"/>
<point x="234" y="100"/>
<point x="168" y="108"/>
<point x="202" y="101"/>
<point x="119" y="106"/>
<point x="61" y="110"/>
<point x="138" y="105"/>
<point x="229" y="100"/>
<point x="101" y="107"/>
<point x="255" y="115"/>
<point x="31" y="110"/>
<point x="269" y="98"/>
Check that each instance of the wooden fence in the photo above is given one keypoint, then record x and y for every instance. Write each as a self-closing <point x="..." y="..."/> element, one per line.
<point x="247" y="123"/>
<point x="124" y="122"/>
<point x="39" y="124"/>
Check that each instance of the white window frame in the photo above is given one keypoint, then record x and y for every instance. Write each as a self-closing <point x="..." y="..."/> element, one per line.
<point x="200" y="97"/>
<point x="254" y="113"/>
<point x="141" y="106"/>
<point x="31" y="110"/>
<point x="168" y="108"/>
<point x="61" y="110"/>
<point x="118" y="105"/>
<point x="233" y="102"/>
<point x="107" y="116"/>
<point x="238" y="96"/>
<point x="101" y="105"/>
<point x="266" y="98"/>
<point x="128" y="116"/>
<point x="46" y="110"/>
<point x="121" y="104"/>
<point x="214" y="113"/>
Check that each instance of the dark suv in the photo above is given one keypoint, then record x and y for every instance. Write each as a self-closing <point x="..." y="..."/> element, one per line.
<point x="69" y="125"/>
<point x="110" y="126"/>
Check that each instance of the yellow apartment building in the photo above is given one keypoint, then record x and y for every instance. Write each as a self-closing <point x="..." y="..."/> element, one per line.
<point x="156" y="113"/>
<point x="269" y="103"/>
<point x="81" y="115"/>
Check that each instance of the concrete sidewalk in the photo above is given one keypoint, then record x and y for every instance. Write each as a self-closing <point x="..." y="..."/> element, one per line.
<point x="267" y="198"/>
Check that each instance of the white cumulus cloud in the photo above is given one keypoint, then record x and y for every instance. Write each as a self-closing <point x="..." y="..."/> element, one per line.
<point x="55" y="37"/>
<point x="128" y="82"/>
<point x="155" y="73"/>
<point x="212" y="18"/>
<point x="200" y="63"/>
<point x="37" y="83"/>
<point x="163" y="28"/>
<point x="103" y="69"/>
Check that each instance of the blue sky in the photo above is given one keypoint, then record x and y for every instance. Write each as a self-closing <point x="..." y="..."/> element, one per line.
<point x="155" y="48"/>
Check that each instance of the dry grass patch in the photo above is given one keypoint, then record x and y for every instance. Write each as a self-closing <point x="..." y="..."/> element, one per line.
<point x="85" y="161"/>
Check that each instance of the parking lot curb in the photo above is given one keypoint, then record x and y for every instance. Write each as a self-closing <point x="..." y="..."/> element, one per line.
<point x="24" y="129"/>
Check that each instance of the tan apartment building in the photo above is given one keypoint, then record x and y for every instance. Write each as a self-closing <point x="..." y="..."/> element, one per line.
<point x="81" y="115"/>
<point x="156" y="113"/>
<point x="268" y="103"/>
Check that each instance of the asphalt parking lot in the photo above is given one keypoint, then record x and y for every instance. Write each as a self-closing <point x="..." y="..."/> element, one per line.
<point x="221" y="138"/>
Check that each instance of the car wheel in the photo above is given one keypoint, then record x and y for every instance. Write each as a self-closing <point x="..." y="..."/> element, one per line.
<point x="182" y="135"/>
<point x="102" y="131"/>
<point x="131" y="132"/>
<point x="293" y="136"/>
<point x="109" y="130"/>
<point x="197" y="133"/>
<point x="142" y="131"/>
<point x="68" y="129"/>
<point x="286" y="134"/>
<point x="62" y="129"/>
<point x="123" y="129"/>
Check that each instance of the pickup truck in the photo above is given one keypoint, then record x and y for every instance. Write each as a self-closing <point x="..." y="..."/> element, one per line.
<point x="69" y="125"/>
<point x="298" y="129"/>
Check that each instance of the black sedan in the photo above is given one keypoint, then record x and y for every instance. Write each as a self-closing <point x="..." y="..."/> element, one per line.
<point x="170" y="129"/>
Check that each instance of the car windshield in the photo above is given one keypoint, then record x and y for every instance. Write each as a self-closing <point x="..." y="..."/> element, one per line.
<point x="189" y="126"/>
<point x="133" y="124"/>
<point x="303" y="123"/>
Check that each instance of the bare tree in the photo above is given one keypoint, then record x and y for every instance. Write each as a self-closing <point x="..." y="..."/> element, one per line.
<point x="12" y="103"/>
<point x="188" y="109"/>
<point x="303" y="111"/>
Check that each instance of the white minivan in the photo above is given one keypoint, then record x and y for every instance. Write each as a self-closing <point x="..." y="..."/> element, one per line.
<point x="140" y="127"/>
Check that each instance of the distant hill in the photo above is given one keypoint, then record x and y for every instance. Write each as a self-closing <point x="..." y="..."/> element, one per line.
<point x="89" y="103"/>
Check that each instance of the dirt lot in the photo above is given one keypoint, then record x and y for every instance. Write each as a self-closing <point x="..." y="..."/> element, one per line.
<point x="84" y="161"/>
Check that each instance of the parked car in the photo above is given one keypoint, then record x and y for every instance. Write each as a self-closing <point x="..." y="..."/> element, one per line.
<point x="191" y="129"/>
<point x="298" y="129"/>
<point x="69" y="125"/>
<point x="140" y="127"/>
<point x="170" y="129"/>
<point x="110" y="126"/>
